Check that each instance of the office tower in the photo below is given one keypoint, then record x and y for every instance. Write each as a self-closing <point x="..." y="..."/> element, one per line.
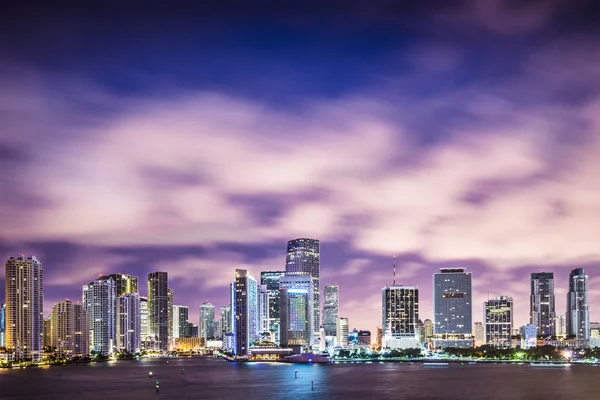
<point x="331" y="309"/>
<point x="428" y="324"/>
<point x="400" y="317"/>
<point x="144" y="323"/>
<point x="271" y="280"/>
<point x="528" y="336"/>
<point x="225" y="313"/>
<point x="216" y="330"/>
<point x="560" y="326"/>
<point x="452" y="321"/>
<point x="542" y="308"/>
<point x="578" y="313"/>
<point x="263" y="309"/>
<point x="303" y="255"/>
<point x="180" y="321"/>
<point x="207" y="320"/>
<point x="296" y="311"/>
<point x="129" y="322"/>
<point x="81" y="331"/>
<point x="479" y="334"/>
<point x="342" y="330"/>
<point x="498" y="321"/>
<point x="24" y="307"/>
<point x="99" y="301"/>
<point x="158" y="313"/>
<point x="421" y="331"/>
<point x="124" y="283"/>
<point x="192" y="330"/>
<point x="245" y="312"/>
<point x="379" y="338"/>
<point x="69" y="330"/>
<point x="3" y="325"/>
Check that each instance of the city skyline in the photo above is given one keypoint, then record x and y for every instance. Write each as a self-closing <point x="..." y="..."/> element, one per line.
<point x="458" y="136"/>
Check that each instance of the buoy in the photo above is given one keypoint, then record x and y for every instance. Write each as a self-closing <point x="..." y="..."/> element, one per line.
<point x="312" y="385"/>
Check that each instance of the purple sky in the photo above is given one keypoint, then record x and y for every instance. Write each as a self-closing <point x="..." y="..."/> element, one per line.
<point x="462" y="135"/>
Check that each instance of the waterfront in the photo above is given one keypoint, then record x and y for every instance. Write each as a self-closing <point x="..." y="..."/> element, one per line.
<point x="213" y="378"/>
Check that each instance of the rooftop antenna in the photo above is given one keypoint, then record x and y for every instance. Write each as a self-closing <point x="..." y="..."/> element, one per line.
<point x="394" y="284"/>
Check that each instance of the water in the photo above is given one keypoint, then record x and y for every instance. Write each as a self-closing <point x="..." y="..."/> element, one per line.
<point x="209" y="378"/>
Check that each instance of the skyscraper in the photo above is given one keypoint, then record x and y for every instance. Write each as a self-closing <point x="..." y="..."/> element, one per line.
<point x="296" y="311"/>
<point x="271" y="280"/>
<point x="578" y="313"/>
<point x="400" y="317"/>
<point x="129" y="323"/>
<point x="479" y="334"/>
<point x="225" y="313"/>
<point x="3" y="325"/>
<point x="144" y="324"/>
<point x="542" y="308"/>
<point x="528" y="336"/>
<point x="124" y="283"/>
<point x="24" y="307"/>
<point x="452" y="320"/>
<point x="428" y="329"/>
<point x="69" y="331"/>
<point x="263" y="309"/>
<point x="304" y="255"/>
<point x="158" y="313"/>
<point x="245" y="312"/>
<point x="498" y="321"/>
<point x="207" y="320"/>
<point x="170" y="317"/>
<point x="331" y="309"/>
<point x="99" y="301"/>
<point x="180" y="321"/>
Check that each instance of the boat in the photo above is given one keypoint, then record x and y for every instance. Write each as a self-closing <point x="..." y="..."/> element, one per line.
<point x="307" y="358"/>
<point x="549" y="365"/>
<point x="435" y="365"/>
<point x="472" y="362"/>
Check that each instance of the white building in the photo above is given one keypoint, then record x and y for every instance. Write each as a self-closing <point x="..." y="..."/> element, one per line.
<point x="400" y="317"/>
<point x="206" y="320"/>
<point x="343" y="328"/>
<point x="528" y="336"/>
<point x="99" y="302"/>
<point x="129" y="323"/>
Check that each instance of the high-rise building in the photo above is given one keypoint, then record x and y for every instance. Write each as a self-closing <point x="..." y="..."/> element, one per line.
<point x="343" y="328"/>
<point x="428" y="329"/>
<point x="170" y="317"/>
<point x="400" y="317"/>
<point x="263" y="309"/>
<point x="499" y="321"/>
<point x="180" y="321"/>
<point x="47" y="331"/>
<point x="271" y="280"/>
<point x="479" y="334"/>
<point x="158" y="305"/>
<point x="296" y="311"/>
<point x="3" y="325"/>
<point x="225" y="313"/>
<point x="124" y="283"/>
<point x="144" y="323"/>
<point x="99" y="301"/>
<point x="192" y="330"/>
<point x="331" y="309"/>
<point x="207" y="320"/>
<point x="69" y="330"/>
<point x="452" y="321"/>
<point x="129" y="322"/>
<point x="245" y="312"/>
<point x="578" y="313"/>
<point x="560" y="326"/>
<point x="304" y="256"/>
<point x="528" y="336"/>
<point x="542" y="306"/>
<point x="24" y="307"/>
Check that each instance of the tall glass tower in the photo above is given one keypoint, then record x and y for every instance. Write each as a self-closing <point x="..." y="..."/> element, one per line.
<point x="331" y="309"/>
<point x="158" y="308"/>
<point x="296" y="311"/>
<point x="99" y="301"/>
<point x="452" y="320"/>
<point x="207" y="320"/>
<point x="542" y="308"/>
<point x="271" y="280"/>
<point x="304" y="255"/>
<point x="245" y="311"/>
<point x="578" y="313"/>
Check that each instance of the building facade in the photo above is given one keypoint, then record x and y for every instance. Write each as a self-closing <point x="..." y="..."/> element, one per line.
<point x="24" y="289"/>
<point x="452" y="320"/>
<point x="206" y="320"/>
<point x="528" y="336"/>
<point x="271" y="280"/>
<point x="498" y="322"/>
<point x="331" y="310"/>
<point x="180" y="321"/>
<point x="99" y="301"/>
<point x="225" y="318"/>
<point x="343" y="330"/>
<point x="124" y="283"/>
<point x="479" y="333"/>
<point x="3" y="325"/>
<point x="129" y="323"/>
<point x="158" y="309"/>
<point x="578" y="313"/>
<point x="400" y="317"/>
<point x="542" y="303"/>
<point x="304" y="256"/>
<point x="296" y="311"/>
